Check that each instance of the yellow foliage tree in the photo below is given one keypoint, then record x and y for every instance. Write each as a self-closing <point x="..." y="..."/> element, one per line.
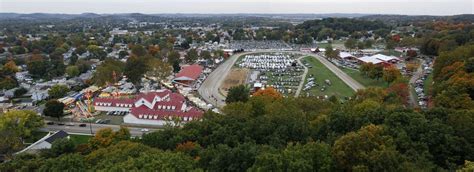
<point x="268" y="92"/>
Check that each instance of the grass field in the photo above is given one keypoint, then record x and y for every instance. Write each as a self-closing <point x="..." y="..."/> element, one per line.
<point x="365" y="81"/>
<point x="79" y="139"/>
<point x="337" y="88"/>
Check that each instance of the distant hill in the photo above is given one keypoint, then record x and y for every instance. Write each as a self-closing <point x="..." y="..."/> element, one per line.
<point x="300" y="17"/>
<point x="406" y="18"/>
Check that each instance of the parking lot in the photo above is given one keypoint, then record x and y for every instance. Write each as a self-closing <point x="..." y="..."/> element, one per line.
<point x="277" y="70"/>
<point x="420" y="85"/>
<point x="115" y="118"/>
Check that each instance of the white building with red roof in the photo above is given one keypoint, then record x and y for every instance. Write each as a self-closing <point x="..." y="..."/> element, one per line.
<point x="153" y="108"/>
<point x="188" y="74"/>
<point x="379" y="59"/>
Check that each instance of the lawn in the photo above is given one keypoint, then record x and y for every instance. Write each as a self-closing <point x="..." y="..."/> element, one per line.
<point x="79" y="139"/>
<point x="337" y="88"/>
<point x="365" y="81"/>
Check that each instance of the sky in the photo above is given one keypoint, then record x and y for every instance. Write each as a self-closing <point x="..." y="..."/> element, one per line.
<point x="408" y="7"/>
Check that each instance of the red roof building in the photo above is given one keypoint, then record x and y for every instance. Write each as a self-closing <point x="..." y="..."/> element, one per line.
<point x="188" y="74"/>
<point x="154" y="108"/>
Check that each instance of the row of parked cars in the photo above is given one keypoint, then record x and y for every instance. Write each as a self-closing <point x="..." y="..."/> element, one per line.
<point x="420" y="84"/>
<point x="117" y="113"/>
<point x="66" y="124"/>
<point x="102" y="121"/>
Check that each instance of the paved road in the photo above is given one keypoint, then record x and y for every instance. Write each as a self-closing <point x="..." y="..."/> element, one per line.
<point x="418" y="73"/>
<point x="134" y="131"/>
<point x="209" y="90"/>
<point x="300" y="87"/>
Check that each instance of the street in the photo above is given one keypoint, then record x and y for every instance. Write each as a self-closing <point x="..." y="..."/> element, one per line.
<point x="134" y="131"/>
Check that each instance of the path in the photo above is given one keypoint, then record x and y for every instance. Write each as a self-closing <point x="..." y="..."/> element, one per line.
<point x="412" y="99"/>
<point x="300" y="87"/>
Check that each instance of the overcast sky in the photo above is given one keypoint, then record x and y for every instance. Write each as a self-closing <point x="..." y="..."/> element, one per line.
<point x="410" y="7"/>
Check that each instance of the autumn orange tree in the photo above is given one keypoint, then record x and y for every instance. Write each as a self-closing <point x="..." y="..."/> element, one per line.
<point x="454" y="79"/>
<point x="106" y="137"/>
<point x="391" y="74"/>
<point x="268" y="92"/>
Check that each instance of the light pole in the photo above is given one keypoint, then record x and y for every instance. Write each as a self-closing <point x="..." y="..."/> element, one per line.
<point x="90" y="126"/>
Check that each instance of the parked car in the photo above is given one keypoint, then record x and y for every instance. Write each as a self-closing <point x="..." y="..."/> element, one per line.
<point x="50" y="123"/>
<point x="70" y="124"/>
<point x="144" y="130"/>
<point x="82" y="125"/>
<point x="60" y="123"/>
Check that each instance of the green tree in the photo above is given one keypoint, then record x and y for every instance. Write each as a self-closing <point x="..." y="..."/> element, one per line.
<point x="110" y="71"/>
<point x="58" y="91"/>
<point x="159" y="70"/>
<point x="135" y="68"/>
<point x="206" y="55"/>
<point x="72" y="71"/>
<point x="296" y="157"/>
<point x="66" y="162"/>
<point x="368" y="147"/>
<point x="38" y="68"/>
<point x="139" y="50"/>
<point x="54" y="108"/>
<point x="122" y="54"/>
<point x="15" y="126"/>
<point x="391" y="74"/>
<point x="191" y="56"/>
<point x="350" y="43"/>
<point x="376" y="72"/>
<point x="20" y="91"/>
<point x="331" y="53"/>
<point x="237" y="94"/>
<point x="218" y="53"/>
<point x="62" y="146"/>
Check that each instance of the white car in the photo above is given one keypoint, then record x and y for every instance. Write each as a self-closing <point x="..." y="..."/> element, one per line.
<point x="144" y="130"/>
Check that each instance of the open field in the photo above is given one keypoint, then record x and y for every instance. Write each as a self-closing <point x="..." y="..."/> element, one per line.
<point x="80" y="139"/>
<point x="367" y="82"/>
<point x="236" y="76"/>
<point x="337" y="88"/>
